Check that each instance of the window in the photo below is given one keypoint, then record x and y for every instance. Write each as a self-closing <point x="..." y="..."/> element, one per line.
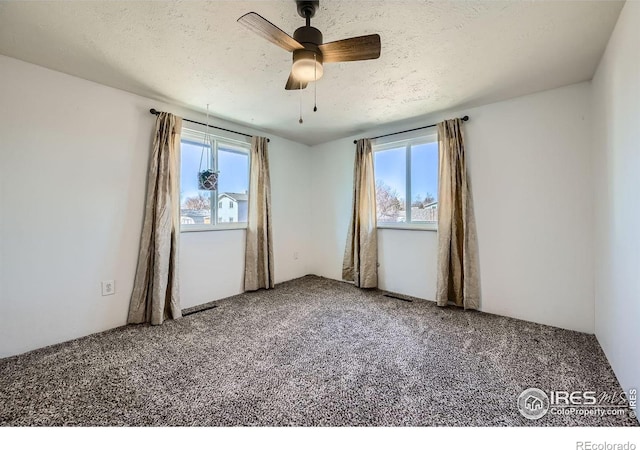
<point x="210" y="210"/>
<point x="407" y="183"/>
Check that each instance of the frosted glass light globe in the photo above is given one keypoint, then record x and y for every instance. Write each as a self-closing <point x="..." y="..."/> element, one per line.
<point x="305" y="70"/>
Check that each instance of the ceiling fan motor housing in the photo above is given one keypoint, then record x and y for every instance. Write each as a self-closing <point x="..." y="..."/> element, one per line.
<point x="308" y="35"/>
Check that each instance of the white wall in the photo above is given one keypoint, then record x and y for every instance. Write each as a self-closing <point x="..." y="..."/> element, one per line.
<point x="616" y="106"/>
<point x="529" y="164"/>
<point x="73" y="163"/>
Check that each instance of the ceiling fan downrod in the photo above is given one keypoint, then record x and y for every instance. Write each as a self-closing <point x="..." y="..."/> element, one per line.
<point x="307" y="9"/>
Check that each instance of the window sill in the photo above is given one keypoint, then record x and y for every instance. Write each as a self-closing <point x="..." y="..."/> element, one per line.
<point x="408" y="227"/>
<point x="196" y="229"/>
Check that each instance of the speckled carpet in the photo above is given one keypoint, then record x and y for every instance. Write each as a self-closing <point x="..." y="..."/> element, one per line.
<point x="311" y="351"/>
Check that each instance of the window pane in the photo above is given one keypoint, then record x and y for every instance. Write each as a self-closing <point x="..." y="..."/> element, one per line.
<point x="233" y="184"/>
<point x="391" y="185"/>
<point x="424" y="183"/>
<point x="195" y="206"/>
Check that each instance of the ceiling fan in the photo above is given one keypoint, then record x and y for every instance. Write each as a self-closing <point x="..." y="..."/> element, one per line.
<point x="309" y="52"/>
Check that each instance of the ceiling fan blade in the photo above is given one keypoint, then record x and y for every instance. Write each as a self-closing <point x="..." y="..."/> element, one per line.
<point x="260" y="25"/>
<point x="293" y="84"/>
<point x="352" y="49"/>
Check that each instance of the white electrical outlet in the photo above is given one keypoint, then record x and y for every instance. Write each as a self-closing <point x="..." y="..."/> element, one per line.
<point x="295" y="255"/>
<point x="108" y="287"/>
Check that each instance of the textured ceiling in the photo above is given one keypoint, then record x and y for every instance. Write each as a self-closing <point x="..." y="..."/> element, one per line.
<point x="435" y="55"/>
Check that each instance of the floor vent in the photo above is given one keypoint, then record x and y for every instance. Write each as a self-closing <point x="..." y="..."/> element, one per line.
<point x="398" y="298"/>
<point x="199" y="310"/>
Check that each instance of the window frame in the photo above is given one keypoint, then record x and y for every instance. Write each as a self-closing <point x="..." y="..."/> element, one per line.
<point x="408" y="143"/>
<point x="234" y="145"/>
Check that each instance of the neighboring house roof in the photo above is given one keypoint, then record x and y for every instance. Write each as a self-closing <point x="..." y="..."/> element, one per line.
<point x="235" y="196"/>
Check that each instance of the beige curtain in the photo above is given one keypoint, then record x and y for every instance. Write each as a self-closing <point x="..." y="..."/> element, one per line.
<point x="258" y="263"/>
<point x="360" y="263"/>
<point x="458" y="280"/>
<point x="155" y="294"/>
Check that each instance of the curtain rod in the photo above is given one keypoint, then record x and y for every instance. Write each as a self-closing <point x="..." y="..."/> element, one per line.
<point x="464" y="119"/>
<point x="155" y="112"/>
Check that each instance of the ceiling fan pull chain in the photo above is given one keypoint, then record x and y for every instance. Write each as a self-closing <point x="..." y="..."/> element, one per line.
<point x="300" y="121"/>
<point x="315" y="84"/>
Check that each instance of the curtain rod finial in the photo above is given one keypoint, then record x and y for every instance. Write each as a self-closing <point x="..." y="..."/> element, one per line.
<point x="465" y="118"/>
<point x="154" y="111"/>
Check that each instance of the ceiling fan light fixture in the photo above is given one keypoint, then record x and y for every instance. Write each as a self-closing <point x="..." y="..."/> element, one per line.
<point x="307" y="66"/>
